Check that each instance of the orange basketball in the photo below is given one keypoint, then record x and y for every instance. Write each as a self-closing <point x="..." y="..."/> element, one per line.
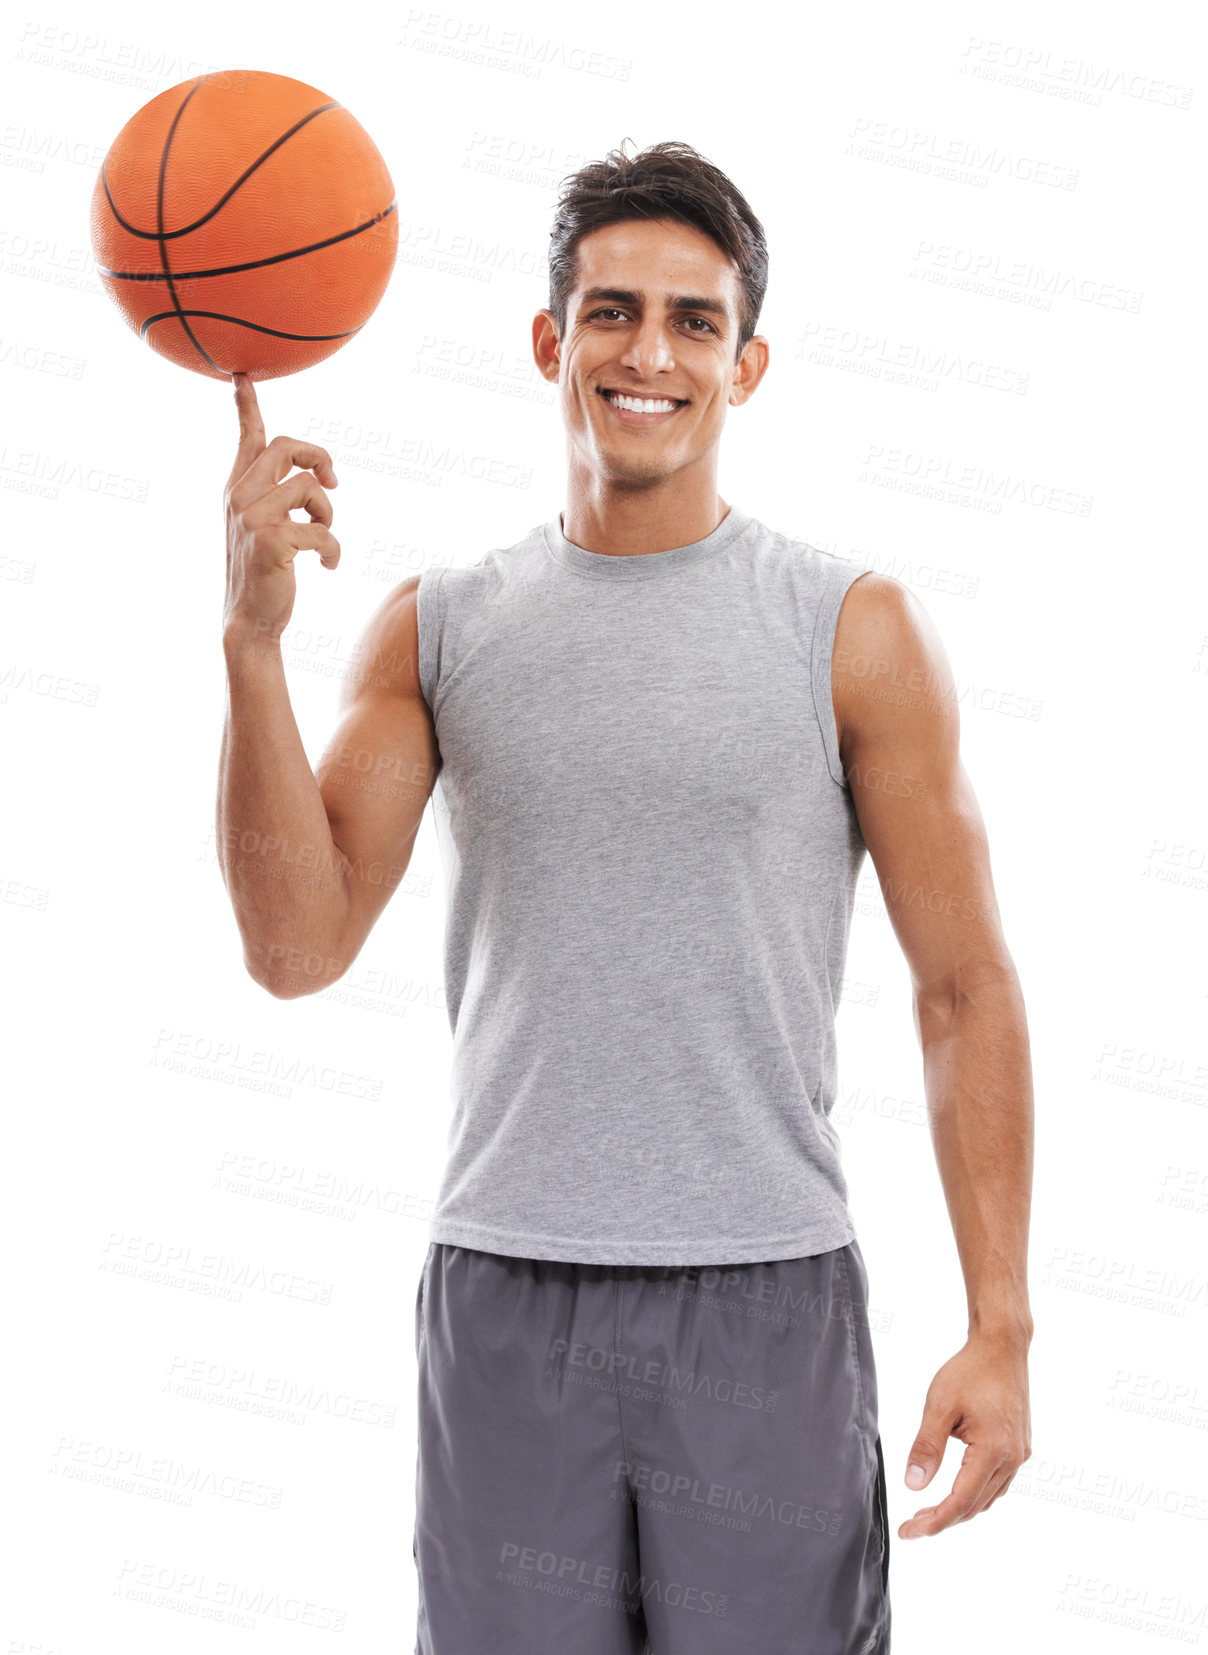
<point x="244" y="222"/>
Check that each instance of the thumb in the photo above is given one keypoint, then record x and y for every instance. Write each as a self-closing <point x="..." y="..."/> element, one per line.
<point x="926" y="1453"/>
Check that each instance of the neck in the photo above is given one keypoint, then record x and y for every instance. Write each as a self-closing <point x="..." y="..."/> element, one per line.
<point x="629" y="522"/>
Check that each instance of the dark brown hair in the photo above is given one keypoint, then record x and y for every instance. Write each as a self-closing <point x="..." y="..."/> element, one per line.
<point x="668" y="180"/>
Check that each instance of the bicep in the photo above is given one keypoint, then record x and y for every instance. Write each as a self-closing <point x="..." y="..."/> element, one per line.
<point x="379" y="768"/>
<point x="899" y="733"/>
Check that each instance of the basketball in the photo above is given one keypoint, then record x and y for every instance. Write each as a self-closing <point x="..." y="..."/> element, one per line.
<point x="244" y="222"/>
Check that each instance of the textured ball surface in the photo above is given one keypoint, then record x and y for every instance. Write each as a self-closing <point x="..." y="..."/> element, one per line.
<point x="244" y="222"/>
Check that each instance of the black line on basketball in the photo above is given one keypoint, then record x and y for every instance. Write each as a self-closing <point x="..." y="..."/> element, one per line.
<point x="168" y="235"/>
<point x="163" y="246"/>
<point x="242" y="322"/>
<point x="252" y="264"/>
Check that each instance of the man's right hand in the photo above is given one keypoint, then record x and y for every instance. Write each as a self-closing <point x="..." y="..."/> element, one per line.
<point x="262" y="538"/>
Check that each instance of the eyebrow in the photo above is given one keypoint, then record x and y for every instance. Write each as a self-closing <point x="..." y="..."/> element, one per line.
<point x="635" y="296"/>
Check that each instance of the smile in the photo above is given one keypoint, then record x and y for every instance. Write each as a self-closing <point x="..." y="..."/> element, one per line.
<point x="641" y="411"/>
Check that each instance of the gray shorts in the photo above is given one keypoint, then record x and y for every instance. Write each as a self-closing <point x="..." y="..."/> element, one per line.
<point x="626" y="1459"/>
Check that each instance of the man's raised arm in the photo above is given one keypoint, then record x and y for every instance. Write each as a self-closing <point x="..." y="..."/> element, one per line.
<point x="309" y="860"/>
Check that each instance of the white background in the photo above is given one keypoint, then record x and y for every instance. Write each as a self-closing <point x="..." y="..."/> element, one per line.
<point x="940" y="307"/>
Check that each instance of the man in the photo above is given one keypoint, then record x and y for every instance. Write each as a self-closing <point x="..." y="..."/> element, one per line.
<point x="659" y="738"/>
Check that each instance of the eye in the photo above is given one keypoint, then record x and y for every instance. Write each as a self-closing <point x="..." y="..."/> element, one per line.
<point x="612" y="310"/>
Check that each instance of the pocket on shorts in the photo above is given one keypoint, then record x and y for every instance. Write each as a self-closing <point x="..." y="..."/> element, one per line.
<point x="849" y="1301"/>
<point x="881" y="1517"/>
<point x="419" y="1299"/>
<point x="855" y="1286"/>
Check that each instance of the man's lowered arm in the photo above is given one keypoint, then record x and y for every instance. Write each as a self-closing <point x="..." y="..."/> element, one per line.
<point x="899" y="731"/>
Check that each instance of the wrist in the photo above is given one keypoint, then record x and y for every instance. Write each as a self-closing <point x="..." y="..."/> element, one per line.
<point x="1002" y="1324"/>
<point x="243" y="637"/>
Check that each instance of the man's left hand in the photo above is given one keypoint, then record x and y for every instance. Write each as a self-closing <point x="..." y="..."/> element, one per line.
<point x="980" y="1396"/>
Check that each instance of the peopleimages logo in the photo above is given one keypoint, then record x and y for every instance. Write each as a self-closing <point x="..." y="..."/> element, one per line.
<point x="663" y="1376"/>
<point x="474" y="40"/>
<point x="719" y="1497"/>
<point x="518" y="1564"/>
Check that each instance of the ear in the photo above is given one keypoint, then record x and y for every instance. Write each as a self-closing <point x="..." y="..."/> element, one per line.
<point x="750" y="369"/>
<point x="547" y="347"/>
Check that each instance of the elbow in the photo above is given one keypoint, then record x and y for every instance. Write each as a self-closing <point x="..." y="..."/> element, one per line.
<point x="275" y="979"/>
<point x="284" y="988"/>
<point x="292" y="973"/>
<point x="292" y="985"/>
<point x="939" y="1003"/>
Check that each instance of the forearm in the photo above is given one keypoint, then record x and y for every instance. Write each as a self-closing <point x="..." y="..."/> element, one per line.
<point x="978" y="1080"/>
<point x="286" y="879"/>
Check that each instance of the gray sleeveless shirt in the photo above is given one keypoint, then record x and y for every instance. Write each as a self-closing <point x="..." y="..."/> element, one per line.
<point x="650" y="855"/>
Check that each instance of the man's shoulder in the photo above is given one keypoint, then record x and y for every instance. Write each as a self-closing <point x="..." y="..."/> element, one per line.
<point x="888" y="664"/>
<point x="483" y="571"/>
<point x="777" y="549"/>
<point x="880" y="607"/>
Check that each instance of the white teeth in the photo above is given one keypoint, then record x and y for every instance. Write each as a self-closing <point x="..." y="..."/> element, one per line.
<point x="638" y="406"/>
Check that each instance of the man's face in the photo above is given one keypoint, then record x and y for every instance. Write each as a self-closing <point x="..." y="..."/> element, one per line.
<point x="654" y="314"/>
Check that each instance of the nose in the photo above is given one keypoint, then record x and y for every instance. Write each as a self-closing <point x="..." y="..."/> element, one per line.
<point x="648" y="350"/>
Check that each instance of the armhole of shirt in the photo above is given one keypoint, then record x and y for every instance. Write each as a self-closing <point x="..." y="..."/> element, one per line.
<point x="428" y="614"/>
<point x="839" y="577"/>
